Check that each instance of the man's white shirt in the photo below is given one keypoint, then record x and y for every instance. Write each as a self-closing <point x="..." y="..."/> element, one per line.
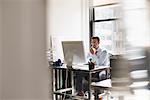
<point x="101" y="57"/>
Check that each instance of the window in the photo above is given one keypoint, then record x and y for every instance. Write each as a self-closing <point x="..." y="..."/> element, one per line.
<point x="106" y="23"/>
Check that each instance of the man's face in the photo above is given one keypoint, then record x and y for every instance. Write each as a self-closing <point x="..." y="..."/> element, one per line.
<point x="94" y="43"/>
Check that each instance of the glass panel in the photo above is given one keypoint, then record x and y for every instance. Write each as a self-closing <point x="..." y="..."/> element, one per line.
<point x="105" y="30"/>
<point x="107" y="12"/>
<point x="110" y="35"/>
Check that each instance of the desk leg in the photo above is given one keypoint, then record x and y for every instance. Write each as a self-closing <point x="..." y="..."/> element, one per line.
<point x="72" y="82"/>
<point x="60" y="78"/>
<point x="55" y="83"/>
<point x="89" y="85"/>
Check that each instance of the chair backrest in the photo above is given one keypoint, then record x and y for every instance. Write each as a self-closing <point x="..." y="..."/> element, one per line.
<point x="120" y="67"/>
<point x="147" y="53"/>
<point x="119" y="71"/>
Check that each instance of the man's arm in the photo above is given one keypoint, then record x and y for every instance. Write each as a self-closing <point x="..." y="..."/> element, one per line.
<point x="103" y="58"/>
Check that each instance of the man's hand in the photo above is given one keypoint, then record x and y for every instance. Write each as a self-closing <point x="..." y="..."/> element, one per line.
<point x="92" y="51"/>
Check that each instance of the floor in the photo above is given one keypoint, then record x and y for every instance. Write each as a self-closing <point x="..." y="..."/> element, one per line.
<point x="141" y="94"/>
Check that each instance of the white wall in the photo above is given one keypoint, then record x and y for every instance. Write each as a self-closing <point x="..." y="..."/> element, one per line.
<point x="24" y="68"/>
<point x="68" y="20"/>
<point x="66" y="17"/>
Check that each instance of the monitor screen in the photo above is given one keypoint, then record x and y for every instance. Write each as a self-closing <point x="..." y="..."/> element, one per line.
<point x="73" y="52"/>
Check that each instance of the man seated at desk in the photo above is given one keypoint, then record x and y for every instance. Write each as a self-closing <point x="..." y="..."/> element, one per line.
<point x="100" y="57"/>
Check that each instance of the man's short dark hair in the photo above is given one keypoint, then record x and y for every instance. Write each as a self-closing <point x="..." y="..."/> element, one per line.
<point x="96" y="37"/>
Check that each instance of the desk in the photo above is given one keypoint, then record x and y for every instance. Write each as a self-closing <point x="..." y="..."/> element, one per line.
<point x="57" y="80"/>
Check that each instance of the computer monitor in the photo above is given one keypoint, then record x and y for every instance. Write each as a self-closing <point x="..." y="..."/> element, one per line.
<point x="73" y="52"/>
